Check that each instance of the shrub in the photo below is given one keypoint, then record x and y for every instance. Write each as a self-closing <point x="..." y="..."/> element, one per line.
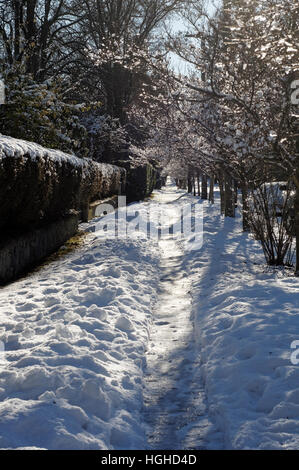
<point x="106" y="137"/>
<point x="39" y="185"/>
<point x="36" y="112"/>
<point x="141" y="180"/>
<point x="271" y="221"/>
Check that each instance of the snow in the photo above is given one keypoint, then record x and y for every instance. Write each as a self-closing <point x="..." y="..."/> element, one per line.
<point x="175" y="409"/>
<point x="131" y="343"/>
<point x="246" y="317"/>
<point x="75" y="333"/>
<point x="229" y="383"/>
<point x="11" y="147"/>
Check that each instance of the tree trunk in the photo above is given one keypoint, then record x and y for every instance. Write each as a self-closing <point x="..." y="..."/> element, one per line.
<point x="204" y="186"/>
<point x="222" y="193"/>
<point x="297" y="229"/>
<point x="296" y="208"/>
<point x="229" y="197"/>
<point x="211" y="192"/>
<point x="32" y="39"/>
<point x="236" y="192"/>
<point x="190" y="186"/>
<point x="18" y="8"/>
<point x="198" y="184"/>
<point x="245" y="208"/>
<point x="292" y="77"/>
<point x="296" y="205"/>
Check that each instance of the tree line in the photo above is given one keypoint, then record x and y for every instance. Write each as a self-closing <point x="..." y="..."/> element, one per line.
<point x="234" y="115"/>
<point x="74" y="70"/>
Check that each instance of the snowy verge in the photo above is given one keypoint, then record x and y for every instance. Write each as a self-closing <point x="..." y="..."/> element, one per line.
<point x="246" y="316"/>
<point x="75" y="333"/>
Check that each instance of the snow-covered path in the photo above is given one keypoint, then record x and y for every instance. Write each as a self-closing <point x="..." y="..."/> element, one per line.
<point x="175" y="409"/>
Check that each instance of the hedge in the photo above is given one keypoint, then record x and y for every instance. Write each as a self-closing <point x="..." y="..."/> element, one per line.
<point x="39" y="185"/>
<point x="140" y="182"/>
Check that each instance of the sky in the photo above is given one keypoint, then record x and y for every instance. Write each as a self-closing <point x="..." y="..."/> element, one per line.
<point x="177" y="25"/>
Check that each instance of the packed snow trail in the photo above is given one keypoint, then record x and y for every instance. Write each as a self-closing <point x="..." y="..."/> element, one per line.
<point x="175" y="408"/>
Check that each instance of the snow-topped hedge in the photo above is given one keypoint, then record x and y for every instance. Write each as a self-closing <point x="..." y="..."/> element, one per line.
<point x="38" y="185"/>
<point x="141" y="180"/>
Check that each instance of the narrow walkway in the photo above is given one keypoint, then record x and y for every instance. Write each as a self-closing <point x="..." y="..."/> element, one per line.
<point x="174" y="400"/>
